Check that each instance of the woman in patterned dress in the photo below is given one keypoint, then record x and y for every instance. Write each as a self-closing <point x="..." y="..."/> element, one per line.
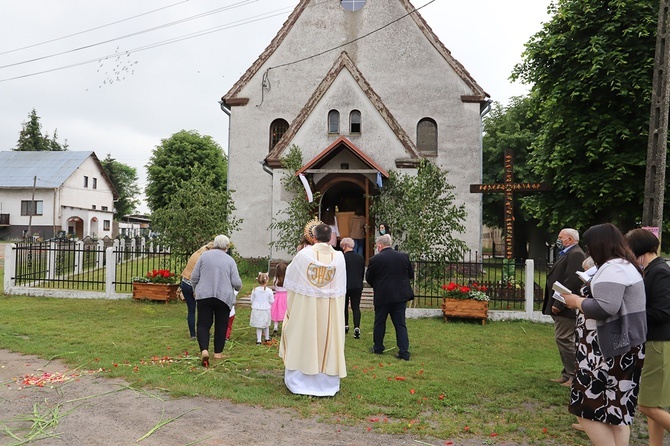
<point x="610" y="334"/>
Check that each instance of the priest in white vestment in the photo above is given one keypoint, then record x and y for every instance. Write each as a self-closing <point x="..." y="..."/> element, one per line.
<point x="312" y="340"/>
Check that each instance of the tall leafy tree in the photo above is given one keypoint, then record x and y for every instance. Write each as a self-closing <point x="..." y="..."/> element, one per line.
<point x="31" y="138"/>
<point x="421" y="212"/>
<point x="124" y="179"/>
<point x="195" y="214"/>
<point x="591" y="69"/>
<point x="176" y="160"/>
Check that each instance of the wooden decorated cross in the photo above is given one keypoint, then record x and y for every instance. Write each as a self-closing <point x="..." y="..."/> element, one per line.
<point x="509" y="187"/>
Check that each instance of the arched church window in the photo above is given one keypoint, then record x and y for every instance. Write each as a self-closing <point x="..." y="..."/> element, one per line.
<point x="277" y="130"/>
<point x="334" y="121"/>
<point x="426" y="136"/>
<point x="355" y="122"/>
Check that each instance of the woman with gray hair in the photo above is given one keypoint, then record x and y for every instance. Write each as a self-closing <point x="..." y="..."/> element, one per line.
<point x="216" y="280"/>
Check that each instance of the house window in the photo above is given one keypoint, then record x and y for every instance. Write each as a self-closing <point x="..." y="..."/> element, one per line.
<point x="105" y="208"/>
<point x="277" y="130"/>
<point x="355" y="122"/>
<point x="334" y="121"/>
<point x="426" y="136"/>
<point x="352" y="5"/>
<point x="105" y="225"/>
<point x="29" y="207"/>
<point x="85" y="181"/>
<point x="93" y="207"/>
<point x="95" y="183"/>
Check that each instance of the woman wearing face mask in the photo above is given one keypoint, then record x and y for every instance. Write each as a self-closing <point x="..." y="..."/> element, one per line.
<point x="385" y="229"/>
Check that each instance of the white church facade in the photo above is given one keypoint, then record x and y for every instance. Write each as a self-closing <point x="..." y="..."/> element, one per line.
<point x="362" y="87"/>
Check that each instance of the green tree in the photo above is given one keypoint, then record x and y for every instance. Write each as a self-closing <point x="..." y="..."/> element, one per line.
<point x="195" y="214"/>
<point x="176" y="160"/>
<point x="591" y="69"/>
<point x="421" y="212"/>
<point x="124" y="179"/>
<point x="290" y="223"/>
<point x="32" y="140"/>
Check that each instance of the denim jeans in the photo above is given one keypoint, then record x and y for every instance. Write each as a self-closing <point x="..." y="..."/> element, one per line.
<point x="187" y="292"/>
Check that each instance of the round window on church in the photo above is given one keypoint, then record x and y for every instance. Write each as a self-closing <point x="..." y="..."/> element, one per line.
<point x="352" y="5"/>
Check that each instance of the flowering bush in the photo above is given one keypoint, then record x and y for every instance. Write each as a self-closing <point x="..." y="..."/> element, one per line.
<point x="157" y="276"/>
<point x="455" y="291"/>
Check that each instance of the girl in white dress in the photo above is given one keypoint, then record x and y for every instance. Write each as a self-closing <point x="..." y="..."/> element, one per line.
<point x="261" y="302"/>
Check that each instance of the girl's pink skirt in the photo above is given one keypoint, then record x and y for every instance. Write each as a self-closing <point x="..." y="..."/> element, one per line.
<point x="278" y="309"/>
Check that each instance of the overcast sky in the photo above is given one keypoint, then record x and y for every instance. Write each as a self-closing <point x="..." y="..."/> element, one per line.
<point x="117" y="77"/>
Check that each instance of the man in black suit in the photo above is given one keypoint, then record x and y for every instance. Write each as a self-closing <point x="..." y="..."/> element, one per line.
<point x="355" y="272"/>
<point x="389" y="273"/>
<point x="569" y="261"/>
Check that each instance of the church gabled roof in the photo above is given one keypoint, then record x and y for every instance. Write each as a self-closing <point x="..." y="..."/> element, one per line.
<point x="343" y="62"/>
<point x="230" y="98"/>
<point x="338" y="144"/>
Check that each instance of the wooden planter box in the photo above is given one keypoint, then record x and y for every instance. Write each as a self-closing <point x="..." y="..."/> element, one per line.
<point x="155" y="291"/>
<point x="467" y="308"/>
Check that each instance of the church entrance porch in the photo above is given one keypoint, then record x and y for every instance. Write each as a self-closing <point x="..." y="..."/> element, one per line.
<point x="341" y="197"/>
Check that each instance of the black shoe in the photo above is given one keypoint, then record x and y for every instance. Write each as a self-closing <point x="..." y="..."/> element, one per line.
<point x="372" y="350"/>
<point x="346" y="329"/>
<point x="357" y="333"/>
<point x="397" y="356"/>
<point x="274" y="332"/>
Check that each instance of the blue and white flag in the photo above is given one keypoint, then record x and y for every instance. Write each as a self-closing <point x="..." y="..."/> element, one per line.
<point x="379" y="179"/>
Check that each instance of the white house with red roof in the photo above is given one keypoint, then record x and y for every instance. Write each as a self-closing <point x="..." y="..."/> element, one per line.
<point x="362" y="87"/>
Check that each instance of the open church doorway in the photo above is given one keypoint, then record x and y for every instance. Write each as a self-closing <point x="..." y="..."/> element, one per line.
<point x="341" y="198"/>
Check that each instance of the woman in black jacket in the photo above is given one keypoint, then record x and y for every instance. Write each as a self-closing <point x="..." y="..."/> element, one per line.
<point x="655" y="380"/>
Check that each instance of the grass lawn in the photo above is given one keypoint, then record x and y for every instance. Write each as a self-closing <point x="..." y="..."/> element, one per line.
<point x="464" y="380"/>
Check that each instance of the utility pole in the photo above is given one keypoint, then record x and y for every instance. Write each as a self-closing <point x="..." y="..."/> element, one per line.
<point x="654" y="183"/>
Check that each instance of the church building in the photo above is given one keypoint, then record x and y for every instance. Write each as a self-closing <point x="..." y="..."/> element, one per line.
<point x="362" y="87"/>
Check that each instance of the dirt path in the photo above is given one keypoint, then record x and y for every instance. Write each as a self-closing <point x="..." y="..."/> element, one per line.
<point x="106" y="412"/>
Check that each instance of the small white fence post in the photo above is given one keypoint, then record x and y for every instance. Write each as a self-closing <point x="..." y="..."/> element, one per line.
<point x="118" y="245"/>
<point x="51" y="261"/>
<point x="530" y="286"/>
<point x="133" y="248"/>
<point x="110" y="273"/>
<point x="79" y="257"/>
<point x="100" y="254"/>
<point x="10" y="266"/>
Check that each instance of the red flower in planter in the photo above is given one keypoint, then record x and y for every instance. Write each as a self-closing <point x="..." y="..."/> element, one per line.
<point x="158" y="276"/>
<point x="455" y="291"/>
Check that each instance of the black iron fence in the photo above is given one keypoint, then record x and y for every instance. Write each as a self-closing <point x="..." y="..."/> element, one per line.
<point x="83" y="266"/>
<point x="503" y="279"/>
<point x="69" y="265"/>
<point x="61" y="264"/>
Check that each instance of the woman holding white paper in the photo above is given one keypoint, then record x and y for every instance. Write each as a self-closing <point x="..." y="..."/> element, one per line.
<point x="611" y="331"/>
